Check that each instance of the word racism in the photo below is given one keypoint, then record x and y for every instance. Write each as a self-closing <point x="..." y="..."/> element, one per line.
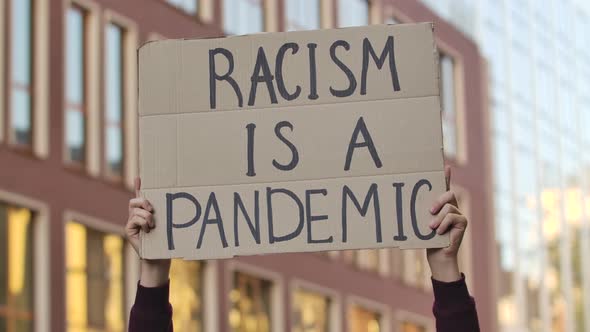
<point x="263" y="74"/>
<point x="251" y="217"/>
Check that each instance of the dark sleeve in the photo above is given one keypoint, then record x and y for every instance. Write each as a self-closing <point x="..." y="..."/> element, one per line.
<point x="454" y="309"/>
<point x="152" y="311"/>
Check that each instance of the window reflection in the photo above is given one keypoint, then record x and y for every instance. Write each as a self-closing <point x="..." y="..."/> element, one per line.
<point x="353" y="13"/>
<point x="364" y="320"/>
<point x="75" y="107"/>
<point x="94" y="280"/>
<point x="250" y="304"/>
<point x="189" y="6"/>
<point x="114" y="100"/>
<point x="364" y="259"/>
<point x="310" y="312"/>
<point x="186" y="295"/>
<point x="303" y="15"/>
<point x="21" y="72"/>
<point x="16" y="268"/>
<point x="243" y="16"/>
<point x="449" y="112"/>
<point x="412" y="327"/>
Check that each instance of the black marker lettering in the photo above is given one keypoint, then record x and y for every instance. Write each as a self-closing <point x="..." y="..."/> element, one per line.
<point x="258" y="77"/>
<point x="379" y="61"/>
<point x="295" y="159"/>
<point x="419" y="184"/>
<point x="271" y="236"/>
<point x="313" y="75"/>
<point x="310" y="217"/>
<point x="170" y="216"/>
<point x="361" y="128"/>
<point x="372" y="193"/>
<point x="214" y="76"/>
<point x="279" y="72"/>
<point x="254" y="228"/>
<point x="250" y="129"/>
<point x="399" y="211"/>
<point x="212" y="203"/>
<point x="349" y="74"/>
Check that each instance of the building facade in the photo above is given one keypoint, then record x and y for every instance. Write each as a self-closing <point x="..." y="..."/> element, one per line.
<point x="68" y="157"/>
<point x="539" y="104"/>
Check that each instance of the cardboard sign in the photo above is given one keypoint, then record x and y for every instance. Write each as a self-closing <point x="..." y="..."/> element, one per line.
<point x="291" y="142"/>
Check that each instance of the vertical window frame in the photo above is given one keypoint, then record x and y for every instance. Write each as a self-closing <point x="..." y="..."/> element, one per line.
<point x="83" y="108"/>
<point x="129" y="120"/>
<point x="369" y="305"/>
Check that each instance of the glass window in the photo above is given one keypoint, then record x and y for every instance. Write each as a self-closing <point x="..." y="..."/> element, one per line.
<point x="364" y="320"/>
<point x="353" y="13"/>
<point x="310" y="312"/>
<point x="303" y="15"/>
<point x="449" y="113"/>
<point x="21" y="73"/>
<point x="189" y="6"/>
<point x="114" y="100"/>
<point x="186" y="295"/>
<point x="243" y="16"/>
<point x="407" y="326"/>
<point x="75" y="107"/>
<point x="250" y="304"/>
<point x="16" y="268"/>
<point x="94" y="280"/>
<point x="364" y="259"/>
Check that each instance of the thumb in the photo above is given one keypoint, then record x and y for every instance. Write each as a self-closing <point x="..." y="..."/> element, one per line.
<point x="448" y="176"/>
<point x="137" y="186"/>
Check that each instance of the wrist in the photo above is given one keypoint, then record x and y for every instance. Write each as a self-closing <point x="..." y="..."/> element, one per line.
<point x="154" y="273"/>
<point x="445" y="270"/>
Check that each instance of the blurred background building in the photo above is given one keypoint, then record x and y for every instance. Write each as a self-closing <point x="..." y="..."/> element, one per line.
<point x="539" y="79"/>
<point x="68" y="156"/>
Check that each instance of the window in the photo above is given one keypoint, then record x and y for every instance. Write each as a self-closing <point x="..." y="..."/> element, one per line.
<point x="186" y="295"/>
<point x="412" y="327"/>
<point x="94" y="280"/>
<point x="75" y="103"/>
<point x="353" y="13"/>
<point x="21" y="72"/>
<point x="114" y="86"/>
<point x="364" y="259"/>
<point x="449" y="112"/>
<point x="250" y="304"/>
<point x="364" y="320"/>
<point x="16" y="268"/>
<point x="310" y="312"/>
<point x="243" y="16"/>
<point x="189" y="6"/>
<point x="303" y="15"/>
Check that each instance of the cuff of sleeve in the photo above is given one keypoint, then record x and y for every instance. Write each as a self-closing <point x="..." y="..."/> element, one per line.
<point x="153" y="299"/>
<point x="449" y="292"/>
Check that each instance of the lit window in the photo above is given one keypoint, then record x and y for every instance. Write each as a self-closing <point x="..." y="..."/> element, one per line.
<point x="189" y="6"/>
<point x="303" y="15"/>
<point x="250" y="304"/>
<point x="364" y="320"/>
<point x="114" y="100"/>
<point x="449" y="112"/>
<point x="353" y="13"/>
<point x="243" y="16"/>
<point x="364" y="259"/>
<point x="412" y="327"/>
<point x="75" y="103"/>
<point x="310" y="312"/>
<point x="186" y="295"/>
<point x="16" y="269"/>
<point x="21" y="72"/>
<point x="94" y="280"/>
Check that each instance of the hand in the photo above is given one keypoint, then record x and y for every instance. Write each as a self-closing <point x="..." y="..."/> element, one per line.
<point x="448" y="218"/>
<point x="154" y="273"/>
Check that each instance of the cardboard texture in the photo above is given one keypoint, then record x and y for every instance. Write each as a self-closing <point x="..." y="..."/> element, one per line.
<point x="291" y="142"/>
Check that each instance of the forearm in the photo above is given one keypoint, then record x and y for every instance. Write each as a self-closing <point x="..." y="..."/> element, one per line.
<point x="445" y="270"/>
<point x="154" y="273"/>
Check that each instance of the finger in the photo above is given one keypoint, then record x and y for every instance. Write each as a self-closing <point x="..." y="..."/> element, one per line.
<point x="448" y="197"/>
<point x="138" y="221"/>
<point x="437" y="220"/>
<point x="448" y="176"/>
<point x="140" y="202"/>
<point x="450" y="221"/>
<point x="142" y="213"/>
<point x="137" y="186"/>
